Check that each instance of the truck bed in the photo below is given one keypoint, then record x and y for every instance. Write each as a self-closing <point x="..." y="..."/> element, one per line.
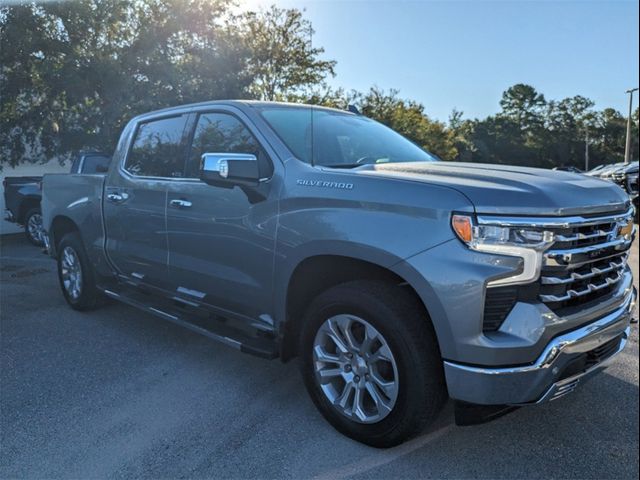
<point x="77" y="197"/>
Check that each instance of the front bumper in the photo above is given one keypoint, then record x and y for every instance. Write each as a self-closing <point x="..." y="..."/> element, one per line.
<point x="557" y="371"/>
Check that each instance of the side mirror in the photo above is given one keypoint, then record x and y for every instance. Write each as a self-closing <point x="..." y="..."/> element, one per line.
<point x="229" y="169"/>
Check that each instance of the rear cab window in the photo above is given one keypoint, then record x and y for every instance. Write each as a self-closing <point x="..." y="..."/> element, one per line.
<point x="96" y="164"/>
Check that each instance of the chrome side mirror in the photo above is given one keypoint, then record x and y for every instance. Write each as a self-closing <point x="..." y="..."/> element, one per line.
<point x="229" y="169"/>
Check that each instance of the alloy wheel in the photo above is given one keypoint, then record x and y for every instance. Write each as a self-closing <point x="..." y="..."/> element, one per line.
<point x="34" y="227"/>
<point x="71" y="272"/>
<point x="355" y="368"/>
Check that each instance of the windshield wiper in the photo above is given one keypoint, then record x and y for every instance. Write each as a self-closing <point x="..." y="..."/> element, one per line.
<point x="344" y="165"/>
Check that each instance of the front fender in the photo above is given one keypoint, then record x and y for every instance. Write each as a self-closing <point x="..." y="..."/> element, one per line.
<point x="376" y="219"/>
<point x="336" y="248"/>
<point x="342" y="213"/>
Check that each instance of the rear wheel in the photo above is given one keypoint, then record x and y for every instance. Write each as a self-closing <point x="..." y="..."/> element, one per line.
<point x="75" y="273"/>
<point x="33" y="227"/>
<point x="371" y="363"/>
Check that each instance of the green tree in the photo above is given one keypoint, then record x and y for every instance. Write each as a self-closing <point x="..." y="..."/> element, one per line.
<point x="524" y="105"/>
<point x="570" y="123"/>
<point x="531" y="131"/>
<point x="409" y="119"/>
<point x="610" y="139"/>
<point x="73" y="73"/>
<point x="282" y="62"/>
<point x="404" y="116"/>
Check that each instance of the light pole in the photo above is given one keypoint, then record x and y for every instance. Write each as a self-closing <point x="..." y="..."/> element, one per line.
<point x="627" y="147"/>
<point x="586" y="149"/>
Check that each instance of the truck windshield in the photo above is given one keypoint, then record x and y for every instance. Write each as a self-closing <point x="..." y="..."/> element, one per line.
<point x="337" y="139"/>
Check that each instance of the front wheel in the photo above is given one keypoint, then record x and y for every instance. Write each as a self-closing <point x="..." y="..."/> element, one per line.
<point x="371" y="363"/>
<point x="33" y="228"/>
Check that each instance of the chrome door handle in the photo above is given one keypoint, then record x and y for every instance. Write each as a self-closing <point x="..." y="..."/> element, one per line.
<point x="117" y="197"/>
<point x="179" y="203"/>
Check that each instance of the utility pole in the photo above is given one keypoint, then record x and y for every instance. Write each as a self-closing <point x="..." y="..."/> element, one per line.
<point x="586" y="149"/>
<point x="627" y="147"/>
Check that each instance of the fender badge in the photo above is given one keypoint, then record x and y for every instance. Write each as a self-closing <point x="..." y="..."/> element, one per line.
<point x="324" y="184"/>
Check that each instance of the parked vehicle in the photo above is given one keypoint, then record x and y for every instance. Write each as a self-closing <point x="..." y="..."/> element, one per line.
<point x="595" y="169"/>
<point x="625" y="175"/>
<point x="604" y="171"/>
<point x="285" y="230"/>
<point x="567" y="168"/>
<point x="627" y="178"/>
<point x="22" y="194"/>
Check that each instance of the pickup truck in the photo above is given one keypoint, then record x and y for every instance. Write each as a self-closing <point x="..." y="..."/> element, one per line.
<point x="625" y="175"/>
<point x="627" y="178"/>
<point x="398" y="280"/>
<point x="22" y="194"/>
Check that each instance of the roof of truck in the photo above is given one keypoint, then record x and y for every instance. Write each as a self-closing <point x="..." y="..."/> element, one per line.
<point x="241" y="103"/>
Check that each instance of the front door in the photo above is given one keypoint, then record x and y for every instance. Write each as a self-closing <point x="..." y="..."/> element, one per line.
<point x="136" y="200"/>
<point x="221" y="245"/>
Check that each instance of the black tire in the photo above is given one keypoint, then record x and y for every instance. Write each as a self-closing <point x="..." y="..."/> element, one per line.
<point x="88" y="295"/>
<point x="31" y="219"/>
<point x="403" y="323"/>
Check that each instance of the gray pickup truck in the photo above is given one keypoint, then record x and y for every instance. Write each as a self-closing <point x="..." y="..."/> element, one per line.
<point x="399" y="280"/>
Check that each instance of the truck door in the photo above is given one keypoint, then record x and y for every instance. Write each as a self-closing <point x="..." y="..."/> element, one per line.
<point x="136" y="198"/>
<point x="221" y="245"/>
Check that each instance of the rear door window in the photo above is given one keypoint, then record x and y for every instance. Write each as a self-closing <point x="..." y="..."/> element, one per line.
<point x="158" y="148"/>
<point x="96" y="164"/>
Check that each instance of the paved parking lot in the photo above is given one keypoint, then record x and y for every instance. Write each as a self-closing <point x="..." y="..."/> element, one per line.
<point x="118" y="393"/>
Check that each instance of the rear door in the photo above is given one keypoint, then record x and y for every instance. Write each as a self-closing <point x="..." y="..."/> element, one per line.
<point x="136" y="198"/>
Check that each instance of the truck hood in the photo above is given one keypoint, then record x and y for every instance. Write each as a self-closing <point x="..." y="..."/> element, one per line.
<point x="506" y="189"/>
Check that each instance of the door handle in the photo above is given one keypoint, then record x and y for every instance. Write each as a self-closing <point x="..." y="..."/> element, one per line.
<point x="117" y="197"/>
<point x="180" y="203"/>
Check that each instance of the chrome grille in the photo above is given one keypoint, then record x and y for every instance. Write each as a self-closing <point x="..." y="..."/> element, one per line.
<point x="586" y="261"/>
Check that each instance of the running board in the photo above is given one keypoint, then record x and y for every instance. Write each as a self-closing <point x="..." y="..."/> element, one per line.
<point x="215" y="329"/>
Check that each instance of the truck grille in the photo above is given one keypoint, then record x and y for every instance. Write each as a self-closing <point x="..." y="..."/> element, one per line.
<point x="583" y="266"/>
<point x="585" y="262"/>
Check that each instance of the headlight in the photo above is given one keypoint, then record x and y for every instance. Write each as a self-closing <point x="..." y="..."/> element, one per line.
<point x="512" y="241"/>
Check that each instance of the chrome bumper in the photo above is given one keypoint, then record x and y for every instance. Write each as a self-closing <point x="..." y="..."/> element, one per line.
<point x="545" y="379"/>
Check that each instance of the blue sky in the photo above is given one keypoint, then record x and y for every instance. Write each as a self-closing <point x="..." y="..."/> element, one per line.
<point x="464" y="54"/>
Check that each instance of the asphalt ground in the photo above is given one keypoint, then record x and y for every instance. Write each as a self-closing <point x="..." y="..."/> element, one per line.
<point x="118" y="393"/>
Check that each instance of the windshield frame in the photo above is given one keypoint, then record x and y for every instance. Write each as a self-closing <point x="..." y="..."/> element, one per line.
<point x="261" y="109"/>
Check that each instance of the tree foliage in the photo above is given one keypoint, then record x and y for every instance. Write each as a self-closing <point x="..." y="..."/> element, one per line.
<point x="282" y="61"/>
<point x="73" y="73"/>
<point x="529" y="130"/>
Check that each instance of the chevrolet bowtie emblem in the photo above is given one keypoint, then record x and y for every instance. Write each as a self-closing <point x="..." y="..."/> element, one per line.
<point x="625" y="229"/>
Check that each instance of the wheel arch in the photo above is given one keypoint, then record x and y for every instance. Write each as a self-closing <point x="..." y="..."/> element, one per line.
<point x="60" y="226"/>
<point x="317" y="272"/>
<point x="27" y="204"/>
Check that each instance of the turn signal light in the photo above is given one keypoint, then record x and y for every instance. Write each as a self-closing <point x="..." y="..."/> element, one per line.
<point x="463" y="227"/>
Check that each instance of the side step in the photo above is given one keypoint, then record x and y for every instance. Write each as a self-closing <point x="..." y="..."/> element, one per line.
<point x="216" y="329"/>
